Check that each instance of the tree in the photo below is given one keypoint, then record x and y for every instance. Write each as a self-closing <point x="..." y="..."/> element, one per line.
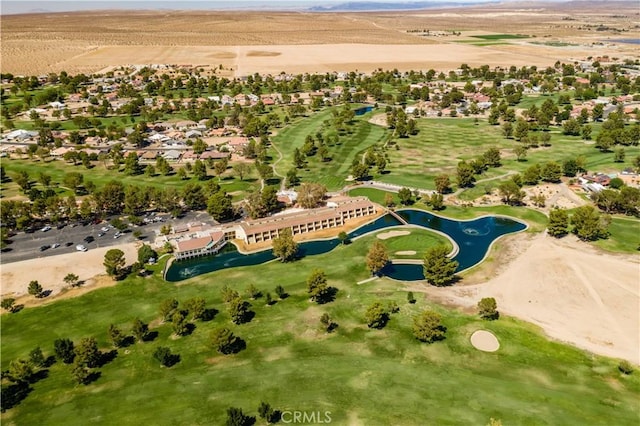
<point x="266" y="412"/>
<point x="139" y="330"/>
<point x="167" y="308"/>
<point x="20" y="370"/>
<point x="551" y="172"/>
<point x="521" y="152"/>
<point x="8" y="304"/>
<point x="80" y="373"/>
<point x="427" y="327"/>
<point x="410" y="298"/>
<point x="531" y="175"/>
<point x="587" y="223"/>
<point x="405" y="195"/>
<point x="199" y="170"/>
<point x="511" y="193"/>
<point x="116" y="336"/>
<point x="224" y="341"/>
<point x="131" y="164"/>
<point x="71" y="279"/>
<point x="239" y="310"/>
<point x="377" y="257"/>
<point x="343" y="237"/>
<point x="558" y="223"/>
<point x="114" y="261"/>
<point x="443" y="184"/>
<point x="163" y="355"/>
<point x="36" y="358"/>
<point x="310" y="195"/>
<point x="438" y="268"/>
<point x="376" y="316"/>
<point x="292" y="178"/>
<point x="241" y="169"/>
<point x="179" y="323"/>
<point x="35" y="289"/>
<point x="507" y="129"/>
<point x="359" y="171"/>
<point x="465" y="175"/>
<point x="571" y="127"/>
<point x="619" y="155"/>
<point x="219" y="206"/>
<point x="284" y="247"/>
<point x="235" y="417"/>
<point x="317" y="285"/>
<point x="280" y="292"/>
<point x="491" y="157"/>
<point x="196" y="307"/>
<point x="145" y="252"/>
<point x="488" y="308"/>
<point x="87" y="352"/>
<point x="64" y="350"/>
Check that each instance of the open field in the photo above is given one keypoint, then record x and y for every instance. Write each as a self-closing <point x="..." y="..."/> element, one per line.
<point x="292" y="364"/>
<point x="272" y="42"/>
<point x="331" y="173"/>
<point x="443" y="142"/>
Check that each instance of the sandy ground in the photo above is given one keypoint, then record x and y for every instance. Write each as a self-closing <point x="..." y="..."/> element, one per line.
<point x="485" y="341"/>
<point x="50" y="271"/>
<point x="271" y="42"/>
<point x="391" y="234"/>
<point x="406" y="253"/>
<point x="575" y="293"/>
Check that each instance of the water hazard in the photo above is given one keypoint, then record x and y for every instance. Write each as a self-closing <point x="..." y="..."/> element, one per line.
<point x="472" y="237"/>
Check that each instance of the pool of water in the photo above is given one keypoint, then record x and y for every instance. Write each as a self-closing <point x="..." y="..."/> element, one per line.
<point x="473" y="238"/>
<point x="627" y="40"/>
<point x="363" y="110"/>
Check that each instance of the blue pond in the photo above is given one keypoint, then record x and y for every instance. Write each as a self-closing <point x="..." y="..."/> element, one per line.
<point x="473" y="239"/>
<point x="363" y="110"/>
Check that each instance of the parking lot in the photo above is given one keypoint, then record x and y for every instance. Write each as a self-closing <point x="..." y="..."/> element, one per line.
<point x="40" y="243"/>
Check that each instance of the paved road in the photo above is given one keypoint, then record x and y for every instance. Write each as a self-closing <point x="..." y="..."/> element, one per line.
<point x="26" y="246"/>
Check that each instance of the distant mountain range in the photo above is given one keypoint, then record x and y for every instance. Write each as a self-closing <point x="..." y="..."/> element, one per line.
<point x="375" y="6"/>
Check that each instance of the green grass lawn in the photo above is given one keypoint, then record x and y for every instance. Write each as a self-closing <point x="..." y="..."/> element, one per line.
<point x="624" y="236"/>
<point x="442" y="143"/>
<point x="372" y="377"/>
<point x="419" y="240"/>
<point x="500" y="36"/>
<point x="331" y="173"/>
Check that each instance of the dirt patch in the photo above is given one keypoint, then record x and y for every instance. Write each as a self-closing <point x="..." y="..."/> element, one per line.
<point x="391" y="234"/>
<point x="50" y="271"/>
<point x="485" y="341"/>
<point x="262" y="53"/>
<point x="576" y="293"/>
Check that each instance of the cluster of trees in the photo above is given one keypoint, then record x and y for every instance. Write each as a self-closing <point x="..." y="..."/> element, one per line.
<point x="466" y="171"/>
<point x="114" y="198"/>
<point x="586" y="223"/>
<point x="626" y="200"/>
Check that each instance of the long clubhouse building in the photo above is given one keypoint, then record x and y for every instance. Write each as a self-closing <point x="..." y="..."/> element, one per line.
<point x="337" y="212"/>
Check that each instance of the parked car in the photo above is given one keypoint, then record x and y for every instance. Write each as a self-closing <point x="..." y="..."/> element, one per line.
<point x="88" y="239"/>
<point x="117" y="235"/>
<point x="44" y="247"/>
<point x="55" y="245"/>
<point x="100" y="234"/>
<point x="68" y="244"/>
<point x="46" y="228"/>
<point x="104" y="229"/>
<point x="80" y="247"/>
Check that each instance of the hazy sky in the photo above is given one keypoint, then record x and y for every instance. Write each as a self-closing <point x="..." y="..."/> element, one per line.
<point x="20" y="6"/>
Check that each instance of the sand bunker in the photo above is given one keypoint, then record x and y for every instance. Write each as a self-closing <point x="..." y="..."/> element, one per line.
<point x="485" y="341"/>
<point x="406" y="252"/>
<point x="391" y="234"/>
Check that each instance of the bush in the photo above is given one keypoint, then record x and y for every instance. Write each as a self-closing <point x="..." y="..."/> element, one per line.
<point x="488" y="308"/>
<point x="625" y="367"/>
<point x="163" y="355"/>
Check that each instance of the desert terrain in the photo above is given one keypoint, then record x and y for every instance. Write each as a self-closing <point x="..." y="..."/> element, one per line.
<point x="574" y="292"/>
<point x="295" y="42"/>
